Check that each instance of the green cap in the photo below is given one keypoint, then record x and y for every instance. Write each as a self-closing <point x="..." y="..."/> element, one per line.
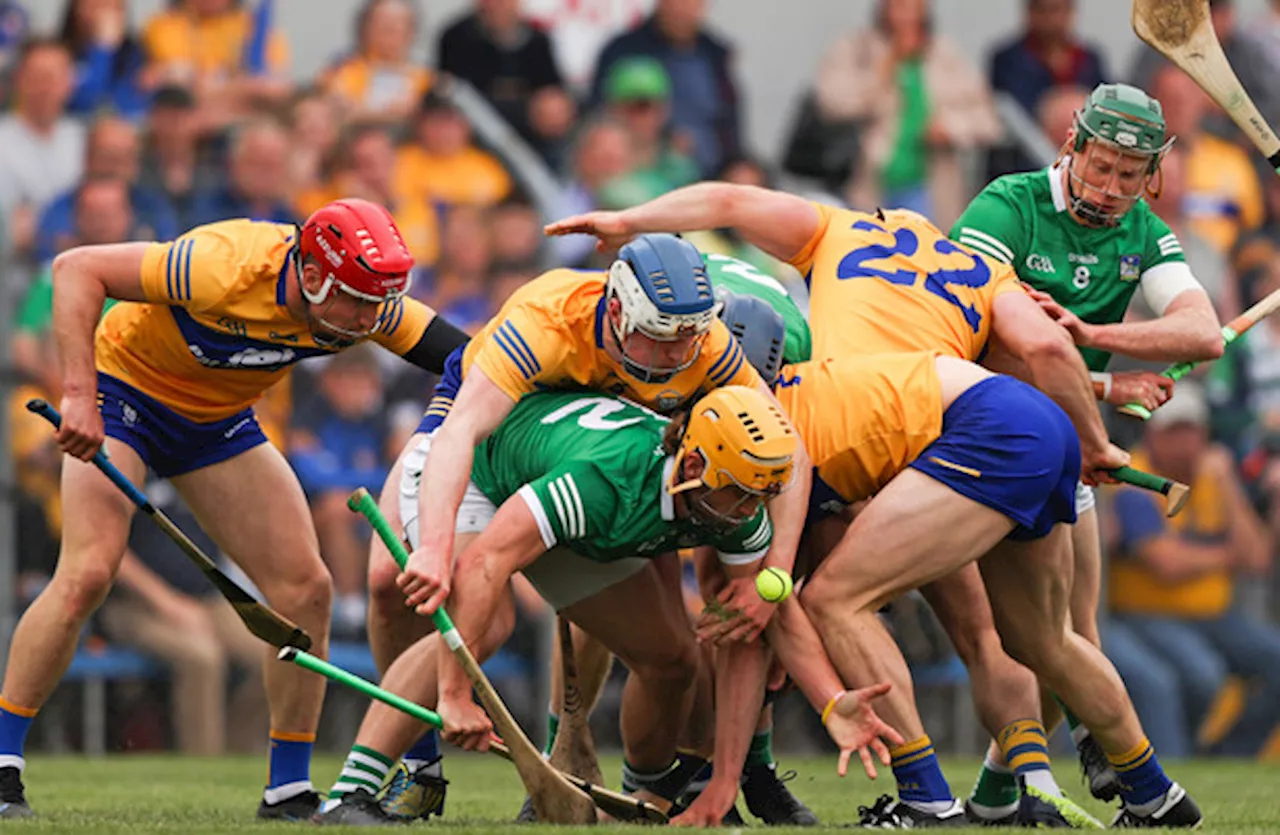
<point x="1123" y="116"/>
<point x="637" y="79"/>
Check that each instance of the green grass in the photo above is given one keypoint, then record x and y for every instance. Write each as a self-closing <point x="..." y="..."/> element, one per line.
<point x="138" y="794"/>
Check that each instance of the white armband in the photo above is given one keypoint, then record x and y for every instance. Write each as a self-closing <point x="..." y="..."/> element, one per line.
<point x="1102" y="378"/>
<point x="1165" y="282"/>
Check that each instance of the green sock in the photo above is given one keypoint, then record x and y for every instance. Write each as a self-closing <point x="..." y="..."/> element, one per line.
<point x="761" y="751"/>
<point x="553" y="727"/>
<point x="1072" y="721"/>
<point x="365" y="769"/>
<point x="996" y="788"/>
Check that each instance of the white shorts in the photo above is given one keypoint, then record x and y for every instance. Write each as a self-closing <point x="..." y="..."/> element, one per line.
<point x="564" y="577"/>
<point x="1084" y="498"/>
<point x="473" y="514"/>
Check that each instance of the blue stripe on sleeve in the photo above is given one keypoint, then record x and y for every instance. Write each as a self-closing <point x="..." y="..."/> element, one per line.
<point x="500" y="338"/>
<point x="168" y="271"/>
<point x="186" y="269"/>
<point x="724" y="359"/>
<point x="527" y="351"/>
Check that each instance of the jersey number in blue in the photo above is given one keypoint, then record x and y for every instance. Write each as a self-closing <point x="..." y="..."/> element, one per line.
<point x="906" y="242"/>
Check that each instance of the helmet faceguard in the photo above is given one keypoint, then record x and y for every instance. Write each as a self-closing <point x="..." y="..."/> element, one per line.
<point x="746" y="446"/>
<point x="1128" y="124"/>
<point x="363" y="260"/>
<point x="665" y="296"/>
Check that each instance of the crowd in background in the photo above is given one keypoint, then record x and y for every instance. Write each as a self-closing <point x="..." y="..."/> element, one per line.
<point x="121" y="129"/>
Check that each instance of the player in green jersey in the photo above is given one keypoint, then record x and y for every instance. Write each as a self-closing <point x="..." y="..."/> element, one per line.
<point x="580" y="491"/>
<point x="733" y="275"/>
<point x="1081" y="234"/>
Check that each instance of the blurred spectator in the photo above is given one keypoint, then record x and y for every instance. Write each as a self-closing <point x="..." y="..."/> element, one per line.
<point x="510" y="62"/>
<point x="1056" y="111"/>
<point x="163" y="605"/>
<point x="14" y="25"/>
<point x="315" y="126"/>
<point x="1223" y="196"/>
<point x="638" y="94"/>
<point x="337" y="444"/>
<point x="458" y="288"/>
<point x="173" y="163"/>
<point x="743" y="171"/>
<point x="441" y="165"/>
<point x="578" y="31"/>
<point x="1263" y="37"/>
<point x="258" y="177"/>
<point x="923" y="102"/>
<point x="1047" y="54"/>
<point x="602" y="150"/>
<point x="43" y="147"/>
<point x="1246" y="384"/>
<point x="111" y="152"/>
<point x="108" y="58"/>
<point x="231" y="58"/>
<point x="379" y="80"/>
<point x="1171" y="579"/>
<point x="516" y="232"/>
<point x="704" y="95"/>
<point x="367" y="169"/>
<point x="1207" y="263"/>
<point x="37" y="464"/>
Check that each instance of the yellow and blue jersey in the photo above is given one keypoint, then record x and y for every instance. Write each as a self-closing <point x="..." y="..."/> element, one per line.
<point x="215" y="332"/>
<point x="882" y="283"/>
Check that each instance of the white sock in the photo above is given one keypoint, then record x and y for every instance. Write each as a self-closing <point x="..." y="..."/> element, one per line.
<point x="1042" y="779"/>
<point x="363" y="769"/>
<point x="434" y="769"/>
<point x="1079" y="734"/>
<point x="990" y="764"/>
<point x="13" y="761"/>
<point x="288" y="790"/>
<point x="931" y="807"/>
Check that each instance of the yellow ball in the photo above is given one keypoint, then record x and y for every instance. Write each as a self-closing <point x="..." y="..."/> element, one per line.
<point x="773" y="585"/>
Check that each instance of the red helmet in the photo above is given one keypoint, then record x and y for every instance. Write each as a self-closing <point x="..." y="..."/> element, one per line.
<point x="358" y="245"/>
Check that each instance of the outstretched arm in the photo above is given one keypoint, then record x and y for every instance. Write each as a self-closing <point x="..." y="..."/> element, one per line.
<point x="1187" y="331"/>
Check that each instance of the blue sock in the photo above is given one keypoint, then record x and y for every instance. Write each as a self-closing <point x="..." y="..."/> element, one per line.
<point x="15" y="721"/>
<point x="426" y="749"/>
<point x="289" y="772"/>
<point x="920" y="779"/>
<point x="1141" y="777"/>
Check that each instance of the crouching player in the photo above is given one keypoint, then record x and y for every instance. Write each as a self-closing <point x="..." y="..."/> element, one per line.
<point x="580" y="492"/>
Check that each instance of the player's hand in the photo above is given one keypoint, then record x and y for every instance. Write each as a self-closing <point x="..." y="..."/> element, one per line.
<point x="81" y="433"/>
<point x="709" y="809"/>
<point x="466" y="725"/>
<point x="739" y="613"/>
<point x="1080" y="330"/>
<point x="611" y="228"/>
<point x="854" y="726"/>
<point x="1146" y="388"/>
<point x="1094" y="464"/>
<point x="426" y="580"/>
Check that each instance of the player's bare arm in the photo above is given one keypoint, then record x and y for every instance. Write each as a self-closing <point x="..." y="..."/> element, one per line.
<point x="776" y="222"/>
<point x="83" y="279"/>
<point x="1188" y="331"/>
<point x="480" y="407"/>
<point x="1056" y="368"/>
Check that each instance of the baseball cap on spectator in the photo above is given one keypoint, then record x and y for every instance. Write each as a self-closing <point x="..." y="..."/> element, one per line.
<point x="173" y="97"/>
<point x="637" y="79"/>
<point x="1187" y="406"/>
<point x="433" y="101"/>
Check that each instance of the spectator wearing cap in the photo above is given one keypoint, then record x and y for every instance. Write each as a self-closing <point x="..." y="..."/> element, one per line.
<point x="1171" y="580"/>
<point x="231" y="58"/>
<point x="112" y="152"/>
<point x="109" y="59"/>
<point x="258" y="177"/>
<point x="511" y="62"/>
<point x="379" y="81"/>
<point x="442" y="165"/>
<point x="43" y="146"/>
<point x="638" y="95"/>
<point x="704" y="95"/>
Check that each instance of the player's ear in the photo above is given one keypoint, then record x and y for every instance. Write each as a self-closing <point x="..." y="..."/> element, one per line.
<point x="693" y="466"/>
<point x="312" y="275"/>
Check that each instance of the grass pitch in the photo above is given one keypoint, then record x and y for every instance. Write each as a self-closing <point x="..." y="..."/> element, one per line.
<point x="137" y="794"/>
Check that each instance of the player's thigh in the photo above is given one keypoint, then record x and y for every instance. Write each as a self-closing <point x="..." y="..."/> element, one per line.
<point x="254" y="508"/>
<point x="913" y="532"/>
<point x="96" y="515"/>
<point x="1028" y="584"/>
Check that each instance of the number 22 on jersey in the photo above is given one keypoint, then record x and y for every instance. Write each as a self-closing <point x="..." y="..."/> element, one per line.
<point x="903" y="261"/>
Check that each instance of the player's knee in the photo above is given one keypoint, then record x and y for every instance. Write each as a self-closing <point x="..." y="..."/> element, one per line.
<point x="203" y="656"/>
<point x="83" y="588"/>
<point x="306" y="590"/>
<point x="384" y="594"/>
<point x="673" y="665"/>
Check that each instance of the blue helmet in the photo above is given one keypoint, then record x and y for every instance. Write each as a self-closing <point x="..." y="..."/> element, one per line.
<point x="664" y="294"/>
<point x="759" y="329"/>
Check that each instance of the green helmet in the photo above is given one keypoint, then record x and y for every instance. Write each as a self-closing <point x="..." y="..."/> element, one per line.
<point x="1125" y="117"/>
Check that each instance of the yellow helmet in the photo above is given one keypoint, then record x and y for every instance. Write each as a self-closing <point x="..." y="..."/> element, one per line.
<point x="745" y="440"/>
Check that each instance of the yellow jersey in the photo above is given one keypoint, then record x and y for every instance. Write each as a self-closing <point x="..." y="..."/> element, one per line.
<point x="863" y="419"/>
<point x="881" y="283"/>
<point x="550" y="334"/>
<point x="215" y="332"/>
<point x="212" y="45"/>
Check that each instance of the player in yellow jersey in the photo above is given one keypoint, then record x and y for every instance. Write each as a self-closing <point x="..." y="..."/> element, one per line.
<point x="645" y="329"/>
<point x="216" y="317"/>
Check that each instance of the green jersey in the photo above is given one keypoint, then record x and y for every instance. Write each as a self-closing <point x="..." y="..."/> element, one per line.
<point x="1022" y="220"/>
<point x="734" y="275"/>
<point x="592" y="470"/>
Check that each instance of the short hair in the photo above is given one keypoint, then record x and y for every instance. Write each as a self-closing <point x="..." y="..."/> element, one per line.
<point x="245" y="129"/>
<point x="36" y="43"/>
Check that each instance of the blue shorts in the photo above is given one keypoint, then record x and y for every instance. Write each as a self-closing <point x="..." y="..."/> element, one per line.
<point x="443" y="395"/>
<point x="167" y="442"/>
<point x="824" y="501"/>
<point x="1009" y="447"/>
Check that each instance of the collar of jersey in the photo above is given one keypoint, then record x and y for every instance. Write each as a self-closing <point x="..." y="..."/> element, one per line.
<point x="281" y="299"/>
<point x="1055" y="184"/>
<point x="600" y="323"/>
<point x="667" y="502"/>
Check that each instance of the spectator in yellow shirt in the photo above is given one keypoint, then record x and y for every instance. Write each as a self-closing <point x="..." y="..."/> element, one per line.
<point x="378" y="81"/>
<point x="442" y="165"/>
